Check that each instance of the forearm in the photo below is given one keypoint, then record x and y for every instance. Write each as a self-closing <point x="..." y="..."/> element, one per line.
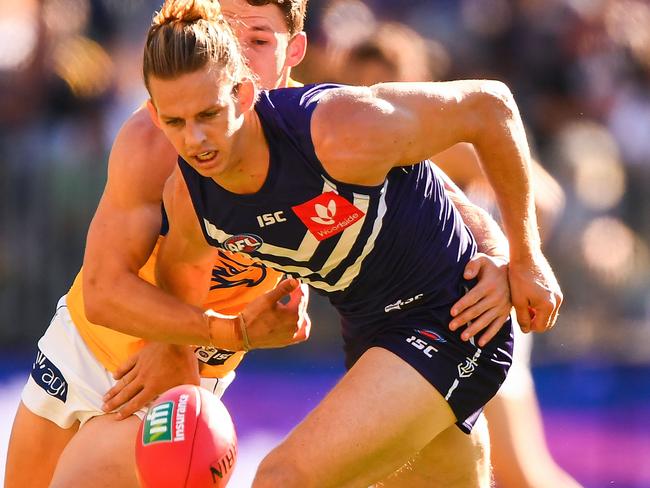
<point x="505" y="158"/>
<point x="127" y="303"/>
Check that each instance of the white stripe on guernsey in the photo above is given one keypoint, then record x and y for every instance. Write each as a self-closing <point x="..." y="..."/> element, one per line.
<point x="309" y="245"/>
<point x="353" y="270"/>
<point x="348" y="238"/>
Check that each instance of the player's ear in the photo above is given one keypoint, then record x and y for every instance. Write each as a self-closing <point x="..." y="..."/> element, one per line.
<point x="153" y="113"/>
<point x="296" y="49"/>
<point x="245" y="93"/>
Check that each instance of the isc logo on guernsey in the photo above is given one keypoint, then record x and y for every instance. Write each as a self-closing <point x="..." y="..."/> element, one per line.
<point x="327" y="215"/>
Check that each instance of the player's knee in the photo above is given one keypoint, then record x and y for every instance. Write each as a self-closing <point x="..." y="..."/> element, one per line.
<point x="470" y="465"/>
<point x="278" y="470"/>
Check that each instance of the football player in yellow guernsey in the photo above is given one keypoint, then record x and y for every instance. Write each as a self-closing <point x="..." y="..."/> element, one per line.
<point x="78" y="360"/>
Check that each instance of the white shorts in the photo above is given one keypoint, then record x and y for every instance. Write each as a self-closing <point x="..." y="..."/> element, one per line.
<point x="519" y="377"/>
<point x="67" y="382"/>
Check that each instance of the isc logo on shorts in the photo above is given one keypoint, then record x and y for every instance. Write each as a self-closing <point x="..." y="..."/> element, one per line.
<point x="48" y="377"/>
<point x="327" y="215"/>
<point x="422" y="345"/>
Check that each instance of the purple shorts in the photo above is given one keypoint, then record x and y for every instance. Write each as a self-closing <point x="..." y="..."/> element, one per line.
<point x="466" y="375"/>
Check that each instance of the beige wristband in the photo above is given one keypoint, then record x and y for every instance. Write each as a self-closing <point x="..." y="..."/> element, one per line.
<point x="244" y="333"/>
<point x="206" y="317"/>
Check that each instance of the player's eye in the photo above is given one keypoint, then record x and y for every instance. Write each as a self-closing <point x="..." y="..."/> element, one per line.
<point x="173" y="122"/>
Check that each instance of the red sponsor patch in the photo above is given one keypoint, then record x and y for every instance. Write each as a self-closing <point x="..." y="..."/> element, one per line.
<point x="327" y="215"/>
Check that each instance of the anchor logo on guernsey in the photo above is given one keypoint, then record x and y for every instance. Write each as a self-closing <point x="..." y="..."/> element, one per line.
<point x="327" y="215"/>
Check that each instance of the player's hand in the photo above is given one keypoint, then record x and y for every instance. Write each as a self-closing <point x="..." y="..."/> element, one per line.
<point x="536" y="294"/>
<point x="487" y="305"/>
<point x="270" y="323"/>
<point x="151" y="371"/>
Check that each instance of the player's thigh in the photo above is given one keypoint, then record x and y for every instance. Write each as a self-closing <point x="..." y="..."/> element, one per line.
<point x="372" y="422"/>
<point x="34" y="449"/>
<point x="453" y="459"/>
<point x="101" y="455"/>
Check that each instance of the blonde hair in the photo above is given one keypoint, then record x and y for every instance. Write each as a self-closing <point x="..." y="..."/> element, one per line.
<point x="185" y="36"/>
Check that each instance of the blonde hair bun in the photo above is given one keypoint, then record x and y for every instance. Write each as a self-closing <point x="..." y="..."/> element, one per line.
<point x="187" y="11"/>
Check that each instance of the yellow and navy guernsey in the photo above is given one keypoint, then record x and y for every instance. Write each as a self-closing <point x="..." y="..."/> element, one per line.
<point x="236" y="280"/>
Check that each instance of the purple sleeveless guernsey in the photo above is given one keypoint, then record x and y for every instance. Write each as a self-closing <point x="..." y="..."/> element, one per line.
<point x="367" y="248"/>
<point x="386" y="256"/>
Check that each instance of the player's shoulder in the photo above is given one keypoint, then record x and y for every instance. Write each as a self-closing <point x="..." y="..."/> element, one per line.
<point x="140" y="134"/>
<point x="141" y="158"/>
<point x="343" y="101"/>
<point x="140" y="146"/>
<point x="303" y="95"/>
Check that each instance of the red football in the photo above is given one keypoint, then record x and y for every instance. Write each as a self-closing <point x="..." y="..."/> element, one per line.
<point x="187" y="440"/>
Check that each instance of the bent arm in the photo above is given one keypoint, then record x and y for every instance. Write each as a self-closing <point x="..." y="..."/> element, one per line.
<point x="121" y="237"/>
<point x="361" y="133"/>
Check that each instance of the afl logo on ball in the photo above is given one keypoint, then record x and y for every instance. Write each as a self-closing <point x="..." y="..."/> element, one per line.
<point x="243" y="243"/>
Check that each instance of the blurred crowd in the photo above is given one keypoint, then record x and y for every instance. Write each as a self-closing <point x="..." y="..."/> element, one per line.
<point x="579" y="70"/>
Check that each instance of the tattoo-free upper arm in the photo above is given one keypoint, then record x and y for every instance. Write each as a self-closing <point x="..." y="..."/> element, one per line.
<point x="360" y="133"/>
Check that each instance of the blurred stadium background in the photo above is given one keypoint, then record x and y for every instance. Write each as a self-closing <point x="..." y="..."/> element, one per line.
<point x="580" y="71"/>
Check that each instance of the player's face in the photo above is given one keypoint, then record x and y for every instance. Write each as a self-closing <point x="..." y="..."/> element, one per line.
<point x="265" y="41"/>
<point x="200" y="115"/>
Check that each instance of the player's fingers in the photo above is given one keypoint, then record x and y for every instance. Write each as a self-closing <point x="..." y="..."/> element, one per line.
<point x="556" y="310"/>
<point x="125" y="394"/>
<point x="470" y="313"/>
<point x="282" y="289"/>
<point x="136" y="403"/>
<point x="120" y="384"/>
<point x="472" y="268"/>
<point x="297" y="296"/>
<point x="479" y="324"/>
<point x="125" y="367"/>
<point x="524" y="314"/>
<point x="492" y="330"/>
<point x="542" y="319"/>
<point x="467" y="300"/>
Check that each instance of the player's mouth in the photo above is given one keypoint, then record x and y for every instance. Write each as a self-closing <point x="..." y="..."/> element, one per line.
<point x="206" y="156"/>
<point x="205" y="159"/>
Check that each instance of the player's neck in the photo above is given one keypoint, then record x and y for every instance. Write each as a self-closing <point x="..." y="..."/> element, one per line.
<point x="249" y="158"/>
